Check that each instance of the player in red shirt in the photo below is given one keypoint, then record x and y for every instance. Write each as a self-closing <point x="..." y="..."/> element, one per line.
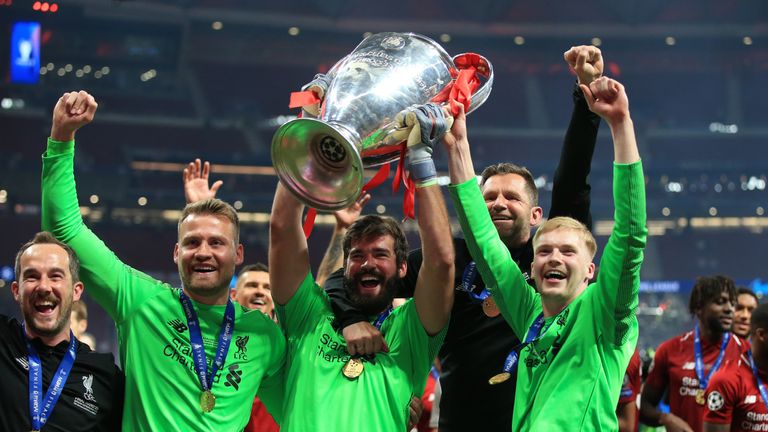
<point x="626" y="411"/>
<point x="736" y="397"/>
<point x="746" y="302"/>
<point x="683" y="365"/>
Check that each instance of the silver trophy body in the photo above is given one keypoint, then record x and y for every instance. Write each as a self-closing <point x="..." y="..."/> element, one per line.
<point x="321" y="161"/>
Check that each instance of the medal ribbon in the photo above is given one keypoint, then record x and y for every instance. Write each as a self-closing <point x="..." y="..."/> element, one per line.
<point x="40" y="407"/>
<point x="196" y="340"/>
<point x="760" y="385"/>
<point x="703" y="380"/>
<point x="380" y="320"/>
<point x="470" y="272"/>
<point x="510" y="364"/>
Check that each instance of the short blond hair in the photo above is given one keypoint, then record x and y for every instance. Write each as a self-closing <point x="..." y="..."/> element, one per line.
<point x="568" y="223"/>
<point x="213" y="207"/>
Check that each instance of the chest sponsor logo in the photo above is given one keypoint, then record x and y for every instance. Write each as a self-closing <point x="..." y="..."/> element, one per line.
<point x="180" y="352"/>
<point x="750" y="399"/>
<point x="234" y="376"/>
<point x="178" y="325"/>
<point x="242" y="347"/>
<point x="331" y="350"/>
<point x="689" y="366"/>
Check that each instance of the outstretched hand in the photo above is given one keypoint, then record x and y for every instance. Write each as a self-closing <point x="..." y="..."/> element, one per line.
<point x="73" y="111"/>
<point x="608" y="99"/>
<point x="586" y="61"/>
<point x="196" y="182"/>
<point x="345" y="217"/>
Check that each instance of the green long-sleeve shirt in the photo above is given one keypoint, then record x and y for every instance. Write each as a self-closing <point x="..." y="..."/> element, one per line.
<point x="162" y="390"/>
<point x="570" y="378"/>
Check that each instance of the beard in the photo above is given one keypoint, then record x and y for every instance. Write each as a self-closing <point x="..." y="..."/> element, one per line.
<point x="46" y="329"/>
<point x="715" y="326"/>
<point x="371" y="305"/>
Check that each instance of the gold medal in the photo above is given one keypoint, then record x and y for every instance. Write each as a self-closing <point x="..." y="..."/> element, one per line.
<point x="700" y="399"/>
<point x="499" y="378"/>
<point x="353" y="368"/>
<point x="489" y="307"/>
<point x="207" y="401"/>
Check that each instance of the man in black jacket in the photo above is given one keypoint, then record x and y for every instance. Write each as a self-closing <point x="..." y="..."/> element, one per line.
<point x="49" y="377"/>
<point x="479" y="340"/>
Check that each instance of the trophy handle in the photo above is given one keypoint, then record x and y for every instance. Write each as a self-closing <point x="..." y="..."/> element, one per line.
<point x="484" y="70"/>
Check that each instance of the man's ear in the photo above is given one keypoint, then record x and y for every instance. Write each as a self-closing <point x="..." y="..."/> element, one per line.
<point x="176" y="254"/>
<point x="403" y="269"/>
<point x="537" y="214"/>
<point x="591" y="271"/>
<point x="239" y="254"/>
<point x="15" y="291"/>
<point x="77" y="290"/>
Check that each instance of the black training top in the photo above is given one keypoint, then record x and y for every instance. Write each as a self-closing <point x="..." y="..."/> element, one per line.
<point x="92" y="398"/>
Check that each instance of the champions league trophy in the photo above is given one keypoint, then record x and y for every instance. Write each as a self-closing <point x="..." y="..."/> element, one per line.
<point x="321" y="161"/>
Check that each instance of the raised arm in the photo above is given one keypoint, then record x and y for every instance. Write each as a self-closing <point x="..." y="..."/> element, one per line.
<point x="516" y="300"/>
<point x="195" y="178"/>
<point x="288" y="254"/>
<point x="434" y="288"/>
<point x="608" y="99"/>
<point x="570" y="187"/>
<point x="115" y="286"/>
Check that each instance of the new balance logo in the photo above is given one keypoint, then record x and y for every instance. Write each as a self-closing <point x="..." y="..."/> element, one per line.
<point x="178" y="325"/>
<point x="750" y="399"/>
<point x="689" y="366"/>
<point x="23" y="362"/>
<point x="234" y="377"/>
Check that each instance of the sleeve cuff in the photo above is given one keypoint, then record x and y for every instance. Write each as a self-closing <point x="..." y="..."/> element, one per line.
<point x="56" y="148"/>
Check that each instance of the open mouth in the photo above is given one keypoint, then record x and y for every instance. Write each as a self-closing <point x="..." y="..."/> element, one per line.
<point x="500" y="218"/>
<point x="369" y="282"/>
<point x="45" y="307"/>
<point x="258" y="302"/>
<point x="203" y="269"/>
<point x="554" y="276"/>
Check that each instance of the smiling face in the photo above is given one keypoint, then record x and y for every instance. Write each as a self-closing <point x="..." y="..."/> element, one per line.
<point x="206" y="256"/>
<point x="253" y="291"/>
<point x="45" y="291"/>
<point x="562" y="265"/>
<point x="742" y="316"/>
<point x="371" y="273"/>
<point x="717" y="314"/>
<point x="510" y="207"/>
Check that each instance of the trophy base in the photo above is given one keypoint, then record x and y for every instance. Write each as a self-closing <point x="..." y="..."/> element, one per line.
<point x="318" y="162"/>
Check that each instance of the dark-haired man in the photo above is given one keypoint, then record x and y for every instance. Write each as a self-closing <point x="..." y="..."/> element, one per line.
<point x="746" y="302"/>
<point x="683" y="365"/>
<point x="50" y="379"/>
<point x="479" y="339"/>
<point x="252" y="289"/>
<point x="737" y="400"/>
<point x="326" y="388"/>
<point x="174" y="343"/>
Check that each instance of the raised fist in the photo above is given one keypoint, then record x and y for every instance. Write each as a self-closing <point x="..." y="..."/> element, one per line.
<point x="73" y="111"/>
<point x="586" y="61"/>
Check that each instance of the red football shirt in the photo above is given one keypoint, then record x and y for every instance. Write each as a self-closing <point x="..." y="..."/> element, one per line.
<point x="631" y="386"/>
<point x="674" y="369"/>
<point x="261" y="420"/>
<point x="733" y="398"/>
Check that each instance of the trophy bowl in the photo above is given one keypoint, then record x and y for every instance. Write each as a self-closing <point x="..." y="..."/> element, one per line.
<point x="321" y="161"/>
